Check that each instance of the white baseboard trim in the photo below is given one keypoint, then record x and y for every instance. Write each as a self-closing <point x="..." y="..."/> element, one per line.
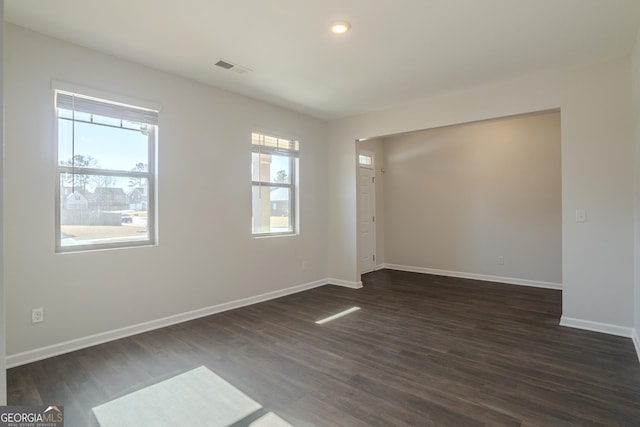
<point x="345" y="283"/>
<point x="487" y="278"/>
<point x="636" y="342"/>
<point x="589" y="325"/>
<point x="374" y="268"/>
<point x="84" y="342"/>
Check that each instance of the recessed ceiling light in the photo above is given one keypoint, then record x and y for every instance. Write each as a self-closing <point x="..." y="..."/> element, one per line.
<point x="340" y="27"/>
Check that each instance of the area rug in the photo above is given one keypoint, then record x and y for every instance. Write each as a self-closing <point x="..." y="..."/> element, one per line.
<point x="196" y="398"/>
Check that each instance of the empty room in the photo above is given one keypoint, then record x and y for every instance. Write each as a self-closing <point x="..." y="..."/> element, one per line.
<point x="281" y="213"/>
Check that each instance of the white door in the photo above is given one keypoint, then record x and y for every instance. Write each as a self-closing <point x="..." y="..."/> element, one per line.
<point x="367" y="203"/>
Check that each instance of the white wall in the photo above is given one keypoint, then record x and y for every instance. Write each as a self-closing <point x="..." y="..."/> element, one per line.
<point x="597" y="175"/>
<point x="636" y="120"/>
<point x="3" y="372"/>
<point x="459" y="197"/>
<point x="205" y="256"/>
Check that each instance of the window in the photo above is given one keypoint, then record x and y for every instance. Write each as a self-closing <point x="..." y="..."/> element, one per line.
<point x="365" y="160"/>
<point x="274" y="165"/>
<point x="105" y="172"/>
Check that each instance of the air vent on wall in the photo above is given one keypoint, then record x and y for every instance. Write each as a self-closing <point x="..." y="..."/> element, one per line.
<point x="233" y="67"/>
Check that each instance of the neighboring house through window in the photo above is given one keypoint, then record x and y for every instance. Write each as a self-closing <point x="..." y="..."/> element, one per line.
<point x="274" y="168"/>
<point x="106" y="173"/>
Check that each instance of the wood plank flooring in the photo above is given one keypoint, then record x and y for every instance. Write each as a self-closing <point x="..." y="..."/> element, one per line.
<point x="422" y="351"/>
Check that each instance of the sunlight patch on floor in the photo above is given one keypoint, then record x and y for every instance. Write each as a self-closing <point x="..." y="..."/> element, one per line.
<point x="197" y="397"/>
<point x="337" y="315"/>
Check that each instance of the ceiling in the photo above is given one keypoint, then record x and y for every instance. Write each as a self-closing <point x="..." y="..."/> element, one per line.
<point x="397" y="51"/>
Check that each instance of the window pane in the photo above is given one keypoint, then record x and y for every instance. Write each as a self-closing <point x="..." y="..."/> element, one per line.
<point x="105" y="120"/>
<point x="365" y="160"/>
<point x="102" y="147"/>
<point x="271" y="209"/>
<point x="271" y="168"/>
<point x="96" y="209"/>
<point x="65" y="113"/>
<point x="273" y="142"/>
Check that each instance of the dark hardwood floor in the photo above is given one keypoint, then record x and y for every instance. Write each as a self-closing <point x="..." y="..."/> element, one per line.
<point x="422" y="350"/>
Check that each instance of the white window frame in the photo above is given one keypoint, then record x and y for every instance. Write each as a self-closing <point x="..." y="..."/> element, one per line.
<point x="123" y="111"/>
<point x="286" y="147"/>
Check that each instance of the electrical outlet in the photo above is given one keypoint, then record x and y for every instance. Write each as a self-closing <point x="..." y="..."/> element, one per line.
<point x="500" y="260"/>
<point x="37" y="315"/>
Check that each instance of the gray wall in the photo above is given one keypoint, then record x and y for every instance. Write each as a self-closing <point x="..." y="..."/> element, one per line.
<point x="3" y="350"/>
<point x="597" y="175"/>
<point x="457" y="198"/>
<point x="205" y="256"/>
<point x="635" y="76"/>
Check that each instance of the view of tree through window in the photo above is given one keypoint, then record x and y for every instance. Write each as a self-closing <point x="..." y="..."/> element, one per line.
<point x="105" y="180"/>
